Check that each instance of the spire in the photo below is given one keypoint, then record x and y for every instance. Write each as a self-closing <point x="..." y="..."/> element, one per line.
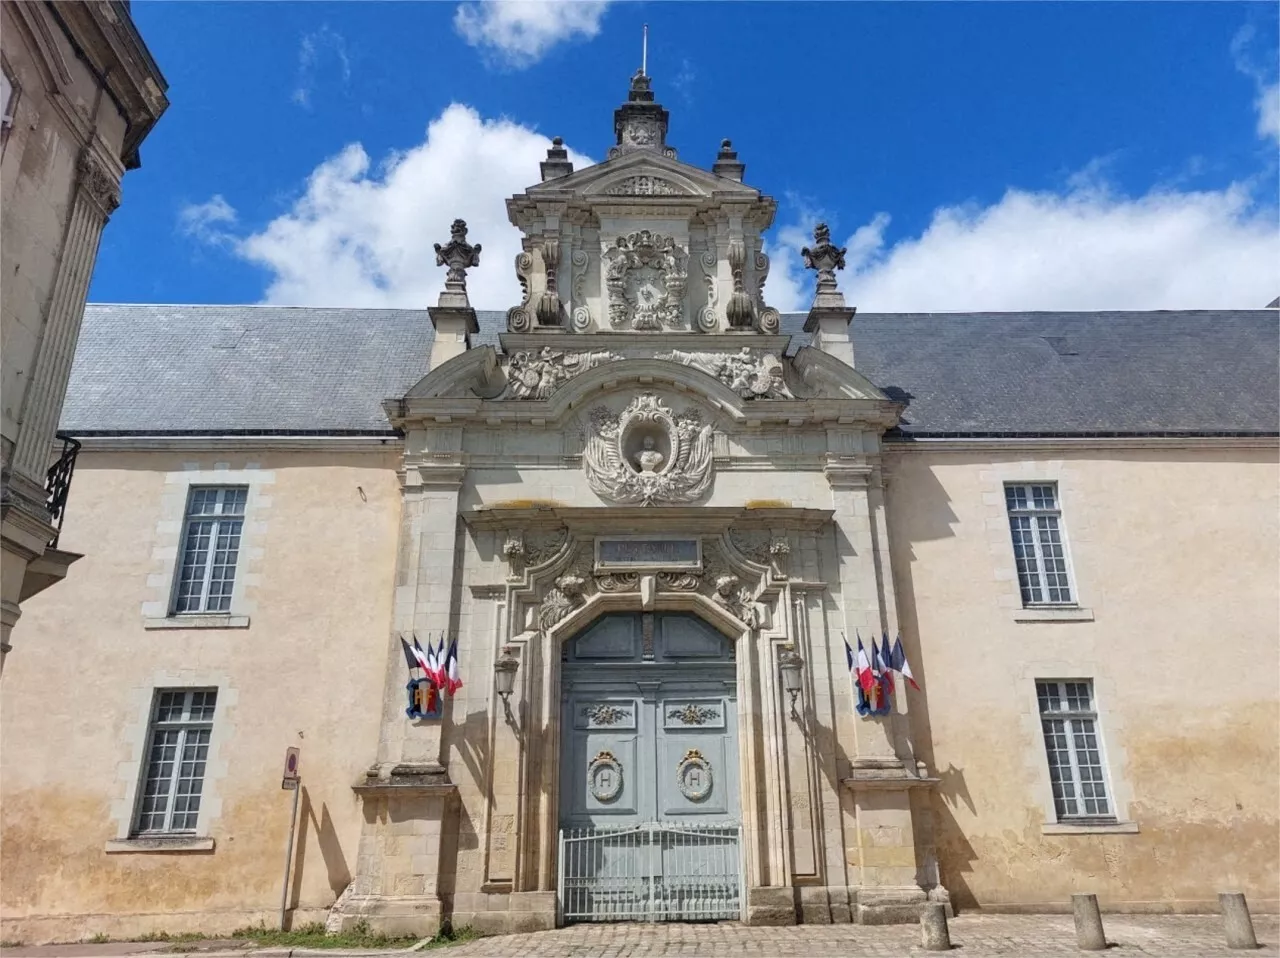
<point x="641" y="122"/>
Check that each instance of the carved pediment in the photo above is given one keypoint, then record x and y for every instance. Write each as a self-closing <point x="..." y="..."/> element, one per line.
<point x="643" y="174"/>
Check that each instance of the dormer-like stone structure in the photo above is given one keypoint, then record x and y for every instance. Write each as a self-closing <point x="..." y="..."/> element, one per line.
<point x="642" y="243"/>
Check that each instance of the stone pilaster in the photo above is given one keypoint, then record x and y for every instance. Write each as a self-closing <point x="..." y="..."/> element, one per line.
<point x="407" y="794"/>
<point x="96" y="197"/>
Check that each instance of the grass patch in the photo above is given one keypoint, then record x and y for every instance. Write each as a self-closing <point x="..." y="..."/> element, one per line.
<point x="11" y="943"/>
<point x="357" y="936"/>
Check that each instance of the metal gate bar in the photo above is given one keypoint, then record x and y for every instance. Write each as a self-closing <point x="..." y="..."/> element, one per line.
<point x="653" y="871"/>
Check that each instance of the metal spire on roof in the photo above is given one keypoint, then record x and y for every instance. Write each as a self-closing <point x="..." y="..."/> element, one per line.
<point x="644" y="52"/>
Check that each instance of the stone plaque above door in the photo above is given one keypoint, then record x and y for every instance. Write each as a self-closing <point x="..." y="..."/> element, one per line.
<point x="647" y="553"/>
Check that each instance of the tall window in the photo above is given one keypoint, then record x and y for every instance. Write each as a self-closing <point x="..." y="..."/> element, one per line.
<point x="178" y="747"/>
<point x="1076" y="772"/>
<point x="1035" y="521"/>
<point x="210" y="548"/>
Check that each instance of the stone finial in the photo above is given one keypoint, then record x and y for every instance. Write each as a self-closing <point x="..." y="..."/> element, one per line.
<point x="825" y="258"/>
<point x="727" y="163"/>
<point x="557" y="163"/>
<point x="459" y="256"/>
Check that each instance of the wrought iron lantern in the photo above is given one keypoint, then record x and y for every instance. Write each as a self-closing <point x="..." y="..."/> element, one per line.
<point x="505" y="670"/>
<point x="791" y="664"/>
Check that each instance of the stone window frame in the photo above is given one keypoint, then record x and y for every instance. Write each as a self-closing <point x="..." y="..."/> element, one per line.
<point x="132" y="766"/>
<point x="166" y="556"/>
<point x="1061" y="474"/>
<point x="1110" y="730"/>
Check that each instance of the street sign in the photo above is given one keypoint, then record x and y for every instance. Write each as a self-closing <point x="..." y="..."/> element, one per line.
<point x="291" y="773"/>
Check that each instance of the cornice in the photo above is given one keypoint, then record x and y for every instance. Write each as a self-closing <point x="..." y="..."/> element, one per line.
<point x="280" y="443"/>
<point x="106" y="39"/>
<point x="903" y="445"/>
<point x="691" y="519"/>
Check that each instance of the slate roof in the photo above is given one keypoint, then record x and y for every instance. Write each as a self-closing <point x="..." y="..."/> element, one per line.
<point x="246" y="369"/>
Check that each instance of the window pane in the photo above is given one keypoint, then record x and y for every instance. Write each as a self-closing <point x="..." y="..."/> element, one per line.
<point x="1015" y="497"/>
<point x="169" y="794"/>
<point x="1076" y="772"/>
<point x="1024" y="557"/>
<point x="195" y="557"/>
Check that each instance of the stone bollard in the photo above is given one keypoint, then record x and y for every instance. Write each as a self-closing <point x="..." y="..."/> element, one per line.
<point x="933" y="928"/>
<point x="1089" y="933"/>
<point x="1235" y="910"/>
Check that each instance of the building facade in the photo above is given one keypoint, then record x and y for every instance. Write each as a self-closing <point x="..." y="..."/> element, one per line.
<point x="653" y="524"/>
<point x="80" y="93"/>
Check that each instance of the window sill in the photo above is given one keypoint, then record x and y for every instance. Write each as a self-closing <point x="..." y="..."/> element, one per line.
<point x="215" y="621"/>
<point x="1089" y="828"/>
<point x="1066" y="613"/>
<point x="173" y="843"/>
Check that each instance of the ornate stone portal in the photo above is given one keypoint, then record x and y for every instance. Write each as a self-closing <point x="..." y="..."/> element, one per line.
<point x="684" y="461"/>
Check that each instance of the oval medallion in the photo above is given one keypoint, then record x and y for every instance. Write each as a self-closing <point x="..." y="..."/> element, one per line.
<point x="693" y="776"/>
<point x="604" y="777"/>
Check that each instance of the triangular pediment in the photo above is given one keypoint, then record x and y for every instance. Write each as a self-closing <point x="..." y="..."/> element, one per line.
<point x="644" y="173"/>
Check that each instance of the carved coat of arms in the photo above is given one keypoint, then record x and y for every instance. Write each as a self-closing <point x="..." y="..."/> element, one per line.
<point x="648" y="454"/>
<point x="645" y="276"/>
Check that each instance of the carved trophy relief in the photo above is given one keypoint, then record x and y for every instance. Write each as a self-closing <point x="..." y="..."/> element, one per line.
<point x="749" y="374"/>
<point x="648" y="454"/>
<point x="740" y="311"/>
<point x="537" y="374"/>
<point x="645" y="277"/>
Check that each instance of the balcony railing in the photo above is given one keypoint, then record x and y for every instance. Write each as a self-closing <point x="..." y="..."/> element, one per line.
<point x="57" y="484"/>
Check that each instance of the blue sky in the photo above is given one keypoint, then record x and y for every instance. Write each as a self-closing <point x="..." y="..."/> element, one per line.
<point x="972" y="155"/>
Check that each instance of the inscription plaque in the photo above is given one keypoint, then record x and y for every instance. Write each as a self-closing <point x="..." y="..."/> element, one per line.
<point x="648" y="552"/>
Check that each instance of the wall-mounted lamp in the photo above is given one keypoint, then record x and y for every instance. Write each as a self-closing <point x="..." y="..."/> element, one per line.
<point x="504" y="671"/>
<point x="791" y="665"/>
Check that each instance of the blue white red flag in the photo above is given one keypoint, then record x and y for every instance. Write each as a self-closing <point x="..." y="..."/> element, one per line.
<point x="901" y="664"/>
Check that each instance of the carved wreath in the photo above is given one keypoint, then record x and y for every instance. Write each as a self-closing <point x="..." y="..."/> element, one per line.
<point x="693" y="776"/>
<point x="605" y="714"/>
<point x="645" y="276"/>
<point x="604" y="777"/>
<point x="682" y="475"/>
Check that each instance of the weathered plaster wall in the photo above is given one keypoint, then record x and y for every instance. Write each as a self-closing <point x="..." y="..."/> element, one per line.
<point x="308" y="671"/>
<point x="1175" y="552"/>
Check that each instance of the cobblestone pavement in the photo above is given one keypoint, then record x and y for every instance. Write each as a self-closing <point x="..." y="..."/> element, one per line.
<point x="974" y="936"/>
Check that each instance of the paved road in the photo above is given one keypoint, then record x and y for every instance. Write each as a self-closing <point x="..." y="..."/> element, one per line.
<point x="977" y="936"/>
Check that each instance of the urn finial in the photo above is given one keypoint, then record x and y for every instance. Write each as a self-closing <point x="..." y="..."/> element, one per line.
<point x="825" y="258"/>
<point x="459" y="256"/>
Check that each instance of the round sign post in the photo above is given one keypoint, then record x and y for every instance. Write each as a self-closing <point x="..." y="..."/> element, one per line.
<point x="293" y="781"/>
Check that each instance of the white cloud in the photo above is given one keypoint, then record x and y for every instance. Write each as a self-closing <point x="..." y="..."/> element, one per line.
<point x="362" y="235"/>
<point x="312" y="50"/>
<point x="1268" y="107"/>
<point x="207" y="221"/>
<point x="1082" y="249"/>
<point x="519" y="33"/>
<point x="1267" y="100"/>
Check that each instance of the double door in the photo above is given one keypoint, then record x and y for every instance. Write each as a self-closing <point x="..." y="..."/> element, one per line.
<point x="649" y="773"/>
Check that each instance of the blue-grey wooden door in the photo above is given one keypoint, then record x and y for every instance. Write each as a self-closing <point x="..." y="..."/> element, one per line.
<point x="649" y="770"/>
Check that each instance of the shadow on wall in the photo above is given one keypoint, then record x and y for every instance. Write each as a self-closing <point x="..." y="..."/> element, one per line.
<point x="335" y="862"/>
<point x="929" y="517"/>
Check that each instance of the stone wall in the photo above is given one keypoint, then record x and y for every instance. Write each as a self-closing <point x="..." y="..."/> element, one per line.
<point x="308" y="670"/>
<point x="1174" y="552"/>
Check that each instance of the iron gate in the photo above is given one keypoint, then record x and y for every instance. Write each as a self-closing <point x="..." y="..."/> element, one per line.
<point x="653" y="871"/>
